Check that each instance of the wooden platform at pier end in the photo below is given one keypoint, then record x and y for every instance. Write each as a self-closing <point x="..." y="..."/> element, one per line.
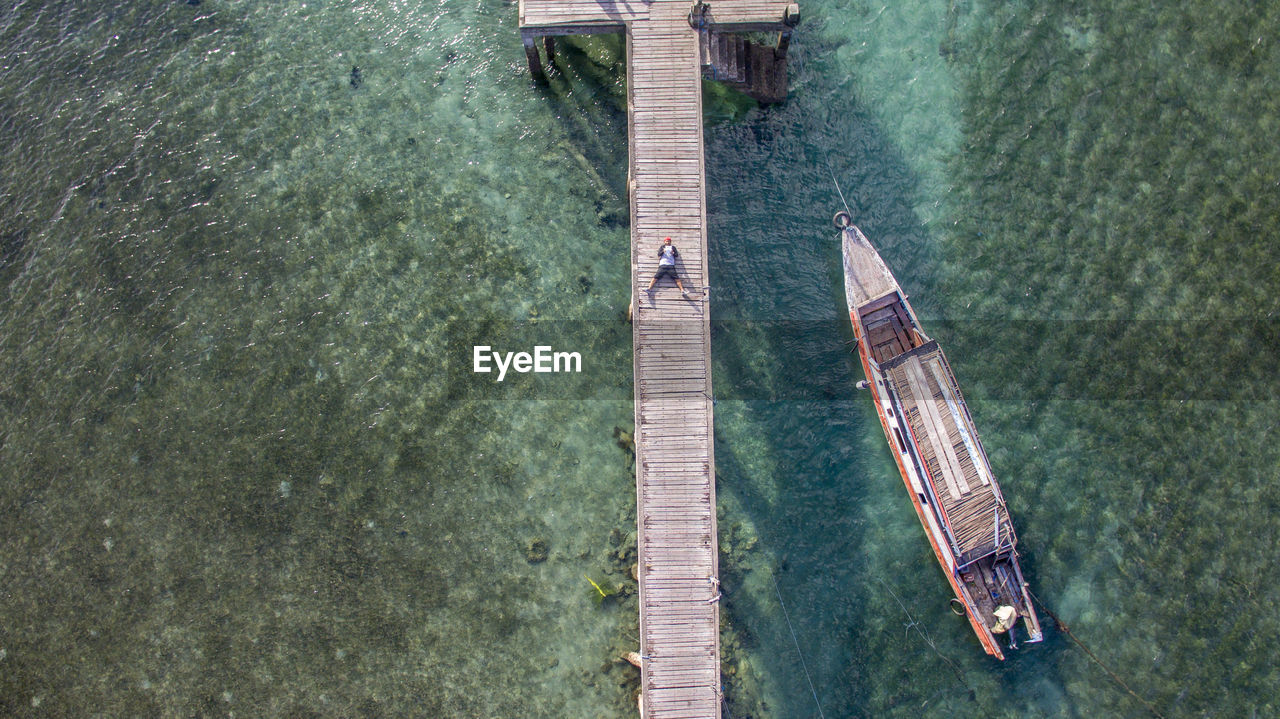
<point x="675" y="463"/>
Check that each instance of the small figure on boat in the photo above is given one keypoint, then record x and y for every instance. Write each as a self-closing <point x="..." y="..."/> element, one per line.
<point x="667" y="254"/>
<point x="1006" y="619"/>
<point x="935" y="444"/>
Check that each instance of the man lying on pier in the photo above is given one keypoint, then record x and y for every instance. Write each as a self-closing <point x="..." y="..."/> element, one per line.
<point x="667" y="254"/>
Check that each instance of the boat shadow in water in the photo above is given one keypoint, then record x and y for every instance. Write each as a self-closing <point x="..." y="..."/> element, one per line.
<point x="800" y="457"/>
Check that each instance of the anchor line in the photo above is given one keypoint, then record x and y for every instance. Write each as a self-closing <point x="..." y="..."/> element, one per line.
<point x="838" y="190"/>
<point x="913" y="624"/>
<point x="724" y="706"/>
<point x="795" y="641"/>
<point x="1114" y="677"/>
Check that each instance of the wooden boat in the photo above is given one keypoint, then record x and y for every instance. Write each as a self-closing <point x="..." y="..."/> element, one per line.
<point x="937" y="449"/>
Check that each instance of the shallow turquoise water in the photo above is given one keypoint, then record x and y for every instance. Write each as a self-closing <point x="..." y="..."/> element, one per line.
<point x="249" y="470"/>
<point x="1082" y="204"/>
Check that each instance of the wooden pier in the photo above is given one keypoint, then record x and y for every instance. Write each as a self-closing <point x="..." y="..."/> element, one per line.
<point x="668" y="53"/>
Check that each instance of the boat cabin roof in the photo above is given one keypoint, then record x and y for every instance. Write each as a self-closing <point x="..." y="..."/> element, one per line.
<point x="973" y="510"/>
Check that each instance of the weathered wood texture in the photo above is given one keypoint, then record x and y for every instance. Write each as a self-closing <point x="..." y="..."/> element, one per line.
<point x="675" y="462"/>
<point x="579" y="17"/>
<point x="675" y="467"/>
<point x="747" y="15"/>
<point x="866" y="277"/>
<point x="939" y="420"/>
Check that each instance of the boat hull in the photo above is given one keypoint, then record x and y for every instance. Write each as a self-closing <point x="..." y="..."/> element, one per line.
<point x="986" y="579"/>
<point x="940" y="551"/>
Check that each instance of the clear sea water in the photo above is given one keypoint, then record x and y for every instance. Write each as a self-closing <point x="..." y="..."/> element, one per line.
<point x="245" y="467"/>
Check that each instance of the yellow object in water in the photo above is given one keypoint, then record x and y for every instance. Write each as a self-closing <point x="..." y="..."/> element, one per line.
<point x="597" y="586"/>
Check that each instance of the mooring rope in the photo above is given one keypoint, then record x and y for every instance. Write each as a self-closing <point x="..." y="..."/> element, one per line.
<point x="842" y="200"/>
<point x="1062" y="626"/>
<point x="913" y="624"/>
<point x="795" y="641"/>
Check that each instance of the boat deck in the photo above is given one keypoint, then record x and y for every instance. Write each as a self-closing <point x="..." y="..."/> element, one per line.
<point x="866" y="276"/>
<point x="969" y="497"/>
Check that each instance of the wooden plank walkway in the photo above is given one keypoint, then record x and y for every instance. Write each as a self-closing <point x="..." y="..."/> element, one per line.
<point x="675" y="466"/>
<point x="579" y="17"/>
<point x="675" y="462"/>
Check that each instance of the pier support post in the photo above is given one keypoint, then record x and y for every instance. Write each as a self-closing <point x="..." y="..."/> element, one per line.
<point x="699" y="14"/>
<point x="549" y="44"/>
<point x="535" y="61"/>
<point x="784" y="42"/>
<point x="790" y="19"/>
<point x="791" y="16"/>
